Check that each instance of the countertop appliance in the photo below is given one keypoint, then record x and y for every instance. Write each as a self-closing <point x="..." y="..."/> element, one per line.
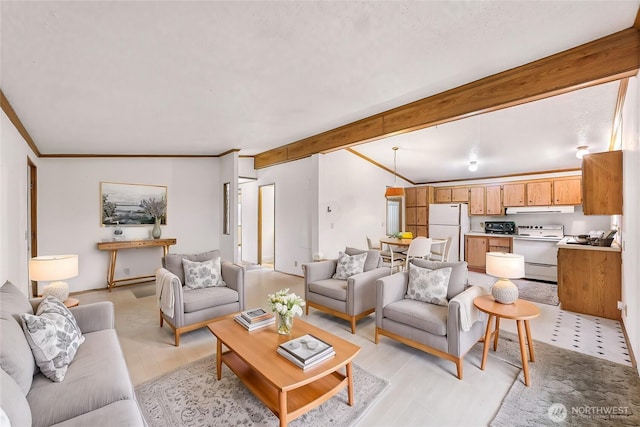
<point x="450" y="220"/>
<point x="500" y="227"/>
<point x="538" y="244"/>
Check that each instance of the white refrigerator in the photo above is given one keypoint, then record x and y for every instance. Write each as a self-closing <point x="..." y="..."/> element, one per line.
<point x="450" y="220"/>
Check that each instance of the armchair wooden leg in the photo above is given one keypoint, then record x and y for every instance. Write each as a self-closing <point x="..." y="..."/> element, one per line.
<point x="377" y="336"/>
<point x="161" y="319"/>
<point x="353" y="325"/>
<point x="306" y="309"/>
<point x="459" y="363"/>
<point x="177" y="335"/>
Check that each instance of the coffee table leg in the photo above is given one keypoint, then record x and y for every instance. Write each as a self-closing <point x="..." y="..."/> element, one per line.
<point x="496" y="334"/>
<point x="523" y="352"/>
<point x="350" y="383"/>
<point x="487" y="337"/>
<point x="529" y="341"/>
<point x="218" y="358"/>
<point x="282" y="401"/>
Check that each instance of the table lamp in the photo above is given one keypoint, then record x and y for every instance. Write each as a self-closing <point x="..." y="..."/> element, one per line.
<point x="505" y="266"/>
<point x="54" y="268"/>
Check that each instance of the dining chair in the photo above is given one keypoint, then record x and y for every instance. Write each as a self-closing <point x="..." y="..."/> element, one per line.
<point x="390" y="259"/>
<point x="420" y="247"/>
<point x="441" y="252"/>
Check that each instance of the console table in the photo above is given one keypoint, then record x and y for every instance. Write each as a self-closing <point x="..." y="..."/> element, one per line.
<point x="115" y="246"/>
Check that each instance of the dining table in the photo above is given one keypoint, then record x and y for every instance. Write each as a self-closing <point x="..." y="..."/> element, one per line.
<point x="403" y="244"/>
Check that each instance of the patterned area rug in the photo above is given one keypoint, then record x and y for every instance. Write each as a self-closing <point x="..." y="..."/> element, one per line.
<point x="542" y="292"/>
<point x="567" y="388"/>
<point x="192" y="396"/>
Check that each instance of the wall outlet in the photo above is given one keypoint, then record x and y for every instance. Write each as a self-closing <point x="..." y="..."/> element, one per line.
<point x="621" y="305"/>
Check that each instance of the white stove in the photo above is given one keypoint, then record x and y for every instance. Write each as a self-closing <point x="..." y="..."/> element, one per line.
<point x="538" y="245"/>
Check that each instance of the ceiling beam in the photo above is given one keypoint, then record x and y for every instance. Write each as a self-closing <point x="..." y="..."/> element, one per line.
<point x="13" y="117"/>
<point x="607" y="59"/>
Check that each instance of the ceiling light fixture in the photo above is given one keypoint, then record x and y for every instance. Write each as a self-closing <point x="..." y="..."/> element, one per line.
<point x="394" y="191"/>
<point x="473" y="166"/>
<point x="582" y="150"/>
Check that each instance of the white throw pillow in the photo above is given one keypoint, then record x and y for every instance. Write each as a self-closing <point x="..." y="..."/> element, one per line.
<point x="348" y="265"/>
<point x="429" y="285"/>
<point x="205" y="274"/>
<point x="54" y="337"/>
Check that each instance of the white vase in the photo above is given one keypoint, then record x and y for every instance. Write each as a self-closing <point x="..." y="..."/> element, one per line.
<point x="156" y="232"/>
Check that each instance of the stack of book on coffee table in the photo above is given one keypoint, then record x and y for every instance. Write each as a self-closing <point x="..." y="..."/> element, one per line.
<point x="306" y="351"/>
<point x="255" y="319"/>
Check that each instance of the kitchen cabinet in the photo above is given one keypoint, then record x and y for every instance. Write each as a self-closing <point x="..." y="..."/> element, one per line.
<point x="602" y="183"/>
<point x="513" y="194"/>
<point x="460" y="194"/>
<point x="476" y="201"/>
<point x="539" y="193"/>
<point x="493" y="200"/>
<point x="417" y="210"/>
<point x="567" y="191"/>
<point x="589" y="281"/>
<point x="443" y="195"/>
<point x="476" y="248"/>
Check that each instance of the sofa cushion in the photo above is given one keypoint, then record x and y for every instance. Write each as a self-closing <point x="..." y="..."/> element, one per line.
<point x="373" y="260"/>
<point x="173" y="262"/>
<point x="349" y="265"/>
<point x="13" y="402"/>
<point x="428" y="285"/>
<point x="16" y="357"/>
<point x="120" y="413"/>
<point x="54" y="337"/>
<point x="332" y="288"/>
<point x="200" y="299"/>
<point x="13" y="302"/>
<point x="421" y="315"/>
<point x="203" y="274"/>
<point x="459" y="274"/>
<point x="97" y="378"/>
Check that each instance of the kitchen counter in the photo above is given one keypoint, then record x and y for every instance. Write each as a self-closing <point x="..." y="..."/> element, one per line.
<point x="564" y="244"/>
<point x="482" y="233"/>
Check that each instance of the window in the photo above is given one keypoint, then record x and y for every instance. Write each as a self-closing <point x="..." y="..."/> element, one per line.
<point x="394" y="215"/>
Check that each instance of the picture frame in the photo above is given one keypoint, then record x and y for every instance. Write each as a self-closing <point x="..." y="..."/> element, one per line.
<point x="122" y="204"/>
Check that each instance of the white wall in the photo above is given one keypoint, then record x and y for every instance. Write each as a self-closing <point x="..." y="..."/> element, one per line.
<point x="229" y="173"/>
<point x="69" y="211"/>
<point x="268" y="222"/>
<point x="631" y="217"/>
<point x="14" y="214"/>
<point x="353" y="189"/>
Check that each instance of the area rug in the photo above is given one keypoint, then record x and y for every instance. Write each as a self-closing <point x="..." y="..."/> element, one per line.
<point x="143" y="291"/>
<point x="192" y="396"/>
<point x="541" y="292"/>
<point x="567" y="388"/>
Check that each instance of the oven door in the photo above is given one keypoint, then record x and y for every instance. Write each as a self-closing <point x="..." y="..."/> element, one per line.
<point x="540" y="258"/>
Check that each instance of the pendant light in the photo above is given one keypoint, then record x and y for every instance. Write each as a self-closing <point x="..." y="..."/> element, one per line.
<point x="394" y="191"/>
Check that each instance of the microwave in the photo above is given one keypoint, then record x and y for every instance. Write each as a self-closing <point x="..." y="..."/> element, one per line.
<point x="500" y="227"/>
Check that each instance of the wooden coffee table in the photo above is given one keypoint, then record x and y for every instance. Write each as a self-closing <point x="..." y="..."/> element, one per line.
<point x="520" y="311"/>
<point x="288" y="391"/>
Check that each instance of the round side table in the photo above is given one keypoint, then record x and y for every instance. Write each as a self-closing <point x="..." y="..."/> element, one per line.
<point x="71" y="302"/>
<point x="521" y="311"/>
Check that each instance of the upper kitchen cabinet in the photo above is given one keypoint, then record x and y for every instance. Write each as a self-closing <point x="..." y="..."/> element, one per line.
<point x="513" y="194"/>
<point x="451" y="195"/>
<point x="567" y="191"/>
<point x="442" y="195"/>
<point x="539" y="193"/>
<point x="602" y="183"/>
<point x="410" y="196"/>
<point x="493" y="200"/>
<point x="417" y="210"/>
<point x="476" y="201"/>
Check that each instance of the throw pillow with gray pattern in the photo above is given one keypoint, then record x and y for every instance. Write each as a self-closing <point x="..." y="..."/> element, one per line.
<point x="429" y="285"/>
<point x="54" y="337"/>
<point x="348" y="265"/>
<point x="205" y="274"/>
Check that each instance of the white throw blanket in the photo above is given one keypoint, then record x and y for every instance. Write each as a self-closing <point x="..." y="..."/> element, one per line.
<point x="469" y="314"/>
<point x="164" y="290"/>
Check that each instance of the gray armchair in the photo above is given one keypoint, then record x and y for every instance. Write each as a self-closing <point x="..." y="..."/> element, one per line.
<point x="448" y="332"/>
<point x="187" y="309"/>
<point x="350" y="299"/>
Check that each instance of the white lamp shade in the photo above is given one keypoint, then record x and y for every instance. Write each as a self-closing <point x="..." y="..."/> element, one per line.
<point x="54" y="267"/>
<point x="505" y="265"/>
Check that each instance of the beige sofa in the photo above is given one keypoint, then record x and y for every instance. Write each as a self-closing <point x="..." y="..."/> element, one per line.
<point x="96" y="389"/>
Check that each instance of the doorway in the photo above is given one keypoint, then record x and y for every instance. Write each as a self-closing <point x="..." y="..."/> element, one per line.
<point x="266" y="226"/>
<point x="32" y="220"/>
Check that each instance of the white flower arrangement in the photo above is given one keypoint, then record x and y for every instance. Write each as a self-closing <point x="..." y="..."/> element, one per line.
<point x="285" y="303"/>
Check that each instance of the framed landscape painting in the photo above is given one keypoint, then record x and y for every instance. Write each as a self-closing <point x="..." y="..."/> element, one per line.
<point x="132" y="204"/>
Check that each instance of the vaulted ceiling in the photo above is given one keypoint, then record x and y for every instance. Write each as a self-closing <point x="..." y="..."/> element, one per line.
<point x="202" y="78"/>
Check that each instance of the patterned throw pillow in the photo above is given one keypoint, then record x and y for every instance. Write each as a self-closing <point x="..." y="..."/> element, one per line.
<point x="54" y="337"/>
<point x="205" y="274"/>
<point x="429" y="285"/>
<point x="348" y="265"/>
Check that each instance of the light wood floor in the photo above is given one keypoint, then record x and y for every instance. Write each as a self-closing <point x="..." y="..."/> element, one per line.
<point x="423" y="390"/>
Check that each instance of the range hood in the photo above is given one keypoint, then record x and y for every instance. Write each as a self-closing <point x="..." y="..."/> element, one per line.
<point x="540" y="209"/>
